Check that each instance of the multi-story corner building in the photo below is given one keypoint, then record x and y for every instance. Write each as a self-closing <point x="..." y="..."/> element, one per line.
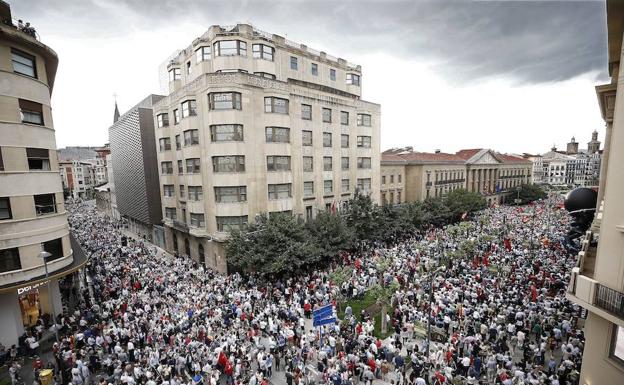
<point x="135" y="169"/>
<point x="420" y="175"/>
<point x="32" y="214"/>
<point x="255" y="123"/>
<point x="597" y="284"/>
<point x="78" y="178"/>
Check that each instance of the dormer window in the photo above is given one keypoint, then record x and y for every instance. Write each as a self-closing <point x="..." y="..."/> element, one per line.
<point x="175" y="74"/>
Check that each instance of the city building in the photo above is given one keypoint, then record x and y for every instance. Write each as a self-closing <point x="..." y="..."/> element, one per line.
<point x="570" y="168"/>
<point x="597" y="284"/>
<point x="135" y="169"/>
<point x="408" y="175"/>
<point x="78" y="178"/>
<point x="32" y="213"/>
<point x="255" y="123"/>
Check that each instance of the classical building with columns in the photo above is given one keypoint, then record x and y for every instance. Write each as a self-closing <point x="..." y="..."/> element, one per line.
<point x="32" y="213"/>
<point x="414" y="176"/>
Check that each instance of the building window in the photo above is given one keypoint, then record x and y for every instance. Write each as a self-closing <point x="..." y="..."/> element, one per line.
<point x="38" y="159"/>
<point x="277" y="135"/>
<point x="191" y="137"/>
<point x="180" y="167"/>
<point x="166" y="168"/>
<point x="193" y="166"/>
<point x="275" y="105"/>
<point x="383" y="179"/>
<point x="231" y="223"/>
<point x="328" y="186"/>
<point x="202" y="54"/>
<point x="197" y="220"/>
<point x="178" y="143"/>
<point x="278" y="163"/>
<point x="176" y="116"/>
<point x="364" y="184"/>
<point x="344" y="141"/>
<point x="398" y="196"/>
<point x="306" y="138"/>
<point x="175" y="74"/>
<point x="164" y="144"/>
<point x="345" y="185"/>
<point x="399" y="178"/>
<point x="5" y="208"/>
<point x="364" y="120"/>
<point x="332" y="74"/>
<point x="54" y="247"/>
<point x="262" y="51"/>
<point x="195" y="193"/>
<point x="232" y="163"/>
<point x="1" y="160"/>
<point x="308" y="163"/>
<point x="225" y="101"/>
<point x="327" y="139"/>
<point x="23" y="63"/>
<point x="344" y="118"/>
<point x="353" y="79"/>
<point x="168" y="190"/>
<point x="230" y="48"/>
<point x="327" y="163"/>
<point x="182" y="191"/>
<point x="189" y="108"/>
<point x="344" y="163"/>
<point x="226" y="133"/>
<point x="10" y="260"/>
<point x="31" y="112"/>
<point x="366" y="163"/>
<point x="170" y="212"/>
<point x="280" y="191"/>
<point x="293" y="63"/>
<point x="364" y="141"/>
<point x="265" y="75"/>
<point x="230" y="194"/>
<point x="308" y="189"/>
<point x="189" y="69"/>
<point x="45" y="204"/>
<point x="314" y="69"/>
<point x="306" y="112"/>
<point x="327" y="115"/>
<point x="231" y="71"/>
<point x="163" y="120"/>
<point x="617" y="344"/>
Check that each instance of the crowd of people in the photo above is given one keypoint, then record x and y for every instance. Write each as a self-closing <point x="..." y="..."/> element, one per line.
<point x="493" y="291"/>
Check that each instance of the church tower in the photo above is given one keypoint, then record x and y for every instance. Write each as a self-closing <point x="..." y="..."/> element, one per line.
<point x="572" y="147"/>
<point x="594" y="145"/>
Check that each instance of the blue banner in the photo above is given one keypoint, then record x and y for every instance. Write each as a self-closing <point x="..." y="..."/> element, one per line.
<point x="322" y="312"/>
<point x="325" y="321"/>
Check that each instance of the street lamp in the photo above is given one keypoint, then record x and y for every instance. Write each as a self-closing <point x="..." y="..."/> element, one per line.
<point x="431" y="277"/>
<point x="44" y="255"/>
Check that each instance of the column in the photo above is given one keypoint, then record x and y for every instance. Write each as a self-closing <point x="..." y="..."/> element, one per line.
<point x="10" y="319"/>
<point x="44" y="297"/>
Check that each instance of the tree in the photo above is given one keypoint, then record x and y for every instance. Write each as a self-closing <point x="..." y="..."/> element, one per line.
<point x="364" y="217"/>
<point x="330" y="233"/>
<point x="529" y="193"/>
<point x="383" y="294"/>
<point x="462" y="201"/>
<point x="436" y="212"/>
<point x="275" y="245"/>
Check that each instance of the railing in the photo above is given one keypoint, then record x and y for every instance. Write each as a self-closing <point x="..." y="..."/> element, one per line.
<point x="609" y="300"/>
<point x="181" y="226"/>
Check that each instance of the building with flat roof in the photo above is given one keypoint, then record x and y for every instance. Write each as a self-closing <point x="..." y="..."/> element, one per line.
<point x="255" y="123"/>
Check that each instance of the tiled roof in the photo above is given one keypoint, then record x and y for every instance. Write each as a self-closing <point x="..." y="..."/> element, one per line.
<point x="468" y="153"/>
<point x="408" y="155"/>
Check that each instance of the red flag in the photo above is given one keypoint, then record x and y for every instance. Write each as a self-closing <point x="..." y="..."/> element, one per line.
<point x="507" y="242"/>
<point x="533" y="293"/>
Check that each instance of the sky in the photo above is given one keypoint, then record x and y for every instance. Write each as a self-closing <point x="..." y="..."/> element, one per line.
<point x="513" y="76"/>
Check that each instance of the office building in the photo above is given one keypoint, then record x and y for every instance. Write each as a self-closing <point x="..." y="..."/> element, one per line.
<point x="255" y="123"/>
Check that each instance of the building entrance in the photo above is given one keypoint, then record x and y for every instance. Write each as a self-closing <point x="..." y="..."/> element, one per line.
<point x="30" y="307"/>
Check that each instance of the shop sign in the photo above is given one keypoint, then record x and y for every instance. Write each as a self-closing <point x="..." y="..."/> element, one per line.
<point x="26" y="289"/>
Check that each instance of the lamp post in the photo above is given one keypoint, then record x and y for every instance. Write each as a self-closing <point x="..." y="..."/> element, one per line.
<point x="431" y="278"/>
<point x="44" y="255"/>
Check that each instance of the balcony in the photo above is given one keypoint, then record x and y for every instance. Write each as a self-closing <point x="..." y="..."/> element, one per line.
<point x="180" y="226"/>
<point x="610" y="300"/>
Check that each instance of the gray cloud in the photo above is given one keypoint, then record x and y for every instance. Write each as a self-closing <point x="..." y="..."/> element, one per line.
<point x="466" y="41"/>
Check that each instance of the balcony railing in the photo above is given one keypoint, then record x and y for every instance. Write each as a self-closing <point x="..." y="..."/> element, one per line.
<point x="609" y="300"/>
<point x="181" y="226"/>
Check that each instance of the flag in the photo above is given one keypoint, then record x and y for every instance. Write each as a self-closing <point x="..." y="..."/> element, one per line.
<point x="507" y="242"/>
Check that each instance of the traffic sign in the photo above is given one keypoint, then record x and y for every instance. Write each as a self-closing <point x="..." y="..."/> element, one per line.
<point x="324" y="321"/>
<point x="322" y="312"/>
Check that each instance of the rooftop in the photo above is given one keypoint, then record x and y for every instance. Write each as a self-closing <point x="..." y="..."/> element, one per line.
<point x="407" y="155"/>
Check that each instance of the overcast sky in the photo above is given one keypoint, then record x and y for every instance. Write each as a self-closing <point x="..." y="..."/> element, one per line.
<point x="515" y="76"/>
